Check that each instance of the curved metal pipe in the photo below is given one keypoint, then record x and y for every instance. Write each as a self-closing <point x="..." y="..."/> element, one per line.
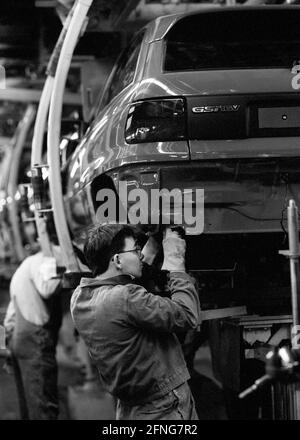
<point x="40" y="124"/>
<point x="36" y="157"/>
<point x="25" y="125"/>
<point x="73" y="32"/>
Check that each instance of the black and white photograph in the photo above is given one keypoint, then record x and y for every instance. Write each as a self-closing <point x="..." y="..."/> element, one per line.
<point x="149" y="215"/>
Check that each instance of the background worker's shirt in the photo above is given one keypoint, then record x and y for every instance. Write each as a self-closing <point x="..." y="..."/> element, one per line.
<point x="34" y="280"/>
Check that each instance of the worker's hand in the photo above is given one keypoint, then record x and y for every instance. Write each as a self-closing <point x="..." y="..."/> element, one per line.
<point x="150" y="250"/>
<point x="7" y="366"/>
<point x="72" y="368"/>
<point x="75" y="370"/>
<point x="174" y="251"/>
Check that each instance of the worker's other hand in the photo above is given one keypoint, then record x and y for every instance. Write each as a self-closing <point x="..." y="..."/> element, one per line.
<point x="76" y="371"/>
<point x="8" y="366"/>
<point x="174" y="251"/>
<point x="150" y="250"/>
<point x="72" y="369"/>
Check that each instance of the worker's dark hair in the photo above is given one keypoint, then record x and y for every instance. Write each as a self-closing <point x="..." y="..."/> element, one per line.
<point x="105" y="241"/>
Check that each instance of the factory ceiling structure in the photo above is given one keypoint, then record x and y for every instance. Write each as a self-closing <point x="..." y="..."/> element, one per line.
<point x="29" y="31"/>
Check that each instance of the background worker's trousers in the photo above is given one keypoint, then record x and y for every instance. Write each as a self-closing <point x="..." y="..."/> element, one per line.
<point x="33" y="349"/>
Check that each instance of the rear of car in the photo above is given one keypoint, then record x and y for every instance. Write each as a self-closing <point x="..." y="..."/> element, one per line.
<point x="207" y="101"/>
<point x="227" y="87"/>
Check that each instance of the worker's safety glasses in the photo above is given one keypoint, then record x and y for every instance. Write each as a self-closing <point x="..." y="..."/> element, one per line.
<point x="137" y="249"/>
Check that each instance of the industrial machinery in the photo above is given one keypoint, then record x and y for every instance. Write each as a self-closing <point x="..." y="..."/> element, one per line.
<point x="283" y="363"/>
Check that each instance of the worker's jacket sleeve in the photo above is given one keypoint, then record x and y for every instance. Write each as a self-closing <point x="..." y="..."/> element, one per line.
<point x="180" y="312"/>
<point x="45" y="277"/>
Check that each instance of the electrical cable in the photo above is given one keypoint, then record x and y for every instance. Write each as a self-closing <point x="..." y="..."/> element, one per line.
<point x="252" y="218"/>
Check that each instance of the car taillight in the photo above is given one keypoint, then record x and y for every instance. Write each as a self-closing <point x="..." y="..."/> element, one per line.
<point x="156" y="121"/>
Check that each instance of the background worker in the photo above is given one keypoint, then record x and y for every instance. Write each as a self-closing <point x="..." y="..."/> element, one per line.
<point x="32" y="323"/>
<point x="130" y="331"/>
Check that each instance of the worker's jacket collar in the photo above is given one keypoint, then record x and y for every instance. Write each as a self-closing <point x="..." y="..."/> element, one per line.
<point x="113" y="281"/>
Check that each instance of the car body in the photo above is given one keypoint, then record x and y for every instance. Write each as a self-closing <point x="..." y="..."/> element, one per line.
<point x="203" y="100"/>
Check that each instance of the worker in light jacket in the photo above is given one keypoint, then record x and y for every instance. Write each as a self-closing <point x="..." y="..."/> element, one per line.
<point x="32" y="323"/>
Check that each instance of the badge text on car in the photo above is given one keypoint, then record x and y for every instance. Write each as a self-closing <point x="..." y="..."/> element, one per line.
<point x="216" y="108"/>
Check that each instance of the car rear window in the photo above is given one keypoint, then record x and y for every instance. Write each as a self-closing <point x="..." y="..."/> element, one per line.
<point x="229" y="39"/>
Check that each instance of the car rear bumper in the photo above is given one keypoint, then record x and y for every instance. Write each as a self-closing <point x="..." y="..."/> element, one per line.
<point x="246" y="195"/>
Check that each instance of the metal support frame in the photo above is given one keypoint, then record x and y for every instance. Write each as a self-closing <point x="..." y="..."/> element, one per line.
<point x="293" y="254"/>
<point x="24" y="126"/>
<point x="293" y="226"/>
<point x="74" y="29"/>
<point x="36" y="158"/>
<point x="39" y="130"/>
